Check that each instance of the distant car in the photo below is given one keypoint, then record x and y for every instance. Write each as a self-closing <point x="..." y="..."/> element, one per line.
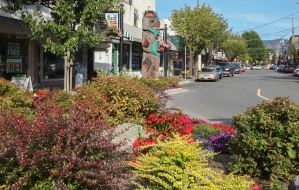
<point x="227" y="68"/>
<point x="219" y="70"/>
<point x="208" y="73"/>
<point x="257" y="67"/>
<point x="243" y="68"/>
<point x="280" y="68"/>
<point x="247" y="67"/>
<point x="273" y="67"/>
<point x="237" y="68"/>
<point x="296" y="71"/>
<point x="288" y="69"/>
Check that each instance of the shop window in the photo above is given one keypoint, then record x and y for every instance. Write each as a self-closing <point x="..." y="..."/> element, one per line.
<point x="136" y="56"/>
<point x="14" y="58"/>
<point x="2" y="60"/>
<point x="53" y="66"/>
<point x="126" y="57"/>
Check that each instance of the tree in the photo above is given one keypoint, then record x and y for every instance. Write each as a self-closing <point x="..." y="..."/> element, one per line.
<point x="199" y="27"/>
<point x="255" y="46"/>
<point x="69" y="28"/>
<point x="234" y="47"/>
<point x="293" y="53"/>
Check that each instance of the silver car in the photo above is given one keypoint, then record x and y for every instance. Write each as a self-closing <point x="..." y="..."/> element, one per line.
<point x="208" y="73"/>
<point x="296" y="71"/>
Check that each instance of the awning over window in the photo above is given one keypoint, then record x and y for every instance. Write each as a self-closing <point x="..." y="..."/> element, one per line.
<point x="132" y="33"/>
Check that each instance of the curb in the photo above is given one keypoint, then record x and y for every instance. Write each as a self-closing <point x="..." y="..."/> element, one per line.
<point x="174" y="91"/>
<point x="184" y="82"/>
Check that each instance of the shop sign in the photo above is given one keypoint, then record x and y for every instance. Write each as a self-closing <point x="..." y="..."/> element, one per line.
<point x="14" y="58"/>
<point x="112" y="19"/>
<point x="13" y="50"/>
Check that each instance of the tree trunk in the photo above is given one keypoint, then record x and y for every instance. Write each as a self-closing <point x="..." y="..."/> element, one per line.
<point x="191" y="62"/>
<point x="68" y="71"/>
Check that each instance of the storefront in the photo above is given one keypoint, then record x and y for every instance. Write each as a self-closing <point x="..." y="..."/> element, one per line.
<point x="18" y="53"/>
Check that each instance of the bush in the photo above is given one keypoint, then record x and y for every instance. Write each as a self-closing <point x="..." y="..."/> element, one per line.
<point x="58" y="150"/>
<point x="162" y="125"/>
<point x="267" y="142"/>
<point x="160" y="83"/>
<point x="177" y="164"/>
<point x="204" y="131"/>
<point x="216" y="136"/>
<point x="14" y="99"/>
<point x="122" y="99"/>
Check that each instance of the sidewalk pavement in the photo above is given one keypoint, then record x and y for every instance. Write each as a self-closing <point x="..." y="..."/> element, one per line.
<point x="179" y="89"/>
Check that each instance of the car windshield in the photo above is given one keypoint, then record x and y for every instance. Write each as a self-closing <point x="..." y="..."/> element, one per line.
<point x="223" y="63"/>
<point x="208" y="70"/>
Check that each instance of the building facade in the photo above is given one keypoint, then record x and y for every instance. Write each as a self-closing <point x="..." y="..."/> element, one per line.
<point x="106" y="55"/>
<point x="20" y="55"/>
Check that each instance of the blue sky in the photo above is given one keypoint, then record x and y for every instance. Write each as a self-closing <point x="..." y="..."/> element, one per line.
<point x="246" y="14"/>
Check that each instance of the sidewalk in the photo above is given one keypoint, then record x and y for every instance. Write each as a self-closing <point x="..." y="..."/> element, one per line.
<point x="180" y="89"/>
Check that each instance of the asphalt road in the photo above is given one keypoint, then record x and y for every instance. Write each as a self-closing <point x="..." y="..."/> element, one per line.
<point x="219" y="101"/>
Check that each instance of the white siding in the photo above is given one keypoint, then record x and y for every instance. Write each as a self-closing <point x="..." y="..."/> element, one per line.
<point x="141" y="6"/>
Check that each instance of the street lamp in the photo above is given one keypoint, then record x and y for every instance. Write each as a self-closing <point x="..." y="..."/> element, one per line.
<point x="121" y="41"/>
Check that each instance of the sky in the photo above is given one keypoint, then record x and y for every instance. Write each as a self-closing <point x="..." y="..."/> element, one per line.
<point x="243" y="15"/>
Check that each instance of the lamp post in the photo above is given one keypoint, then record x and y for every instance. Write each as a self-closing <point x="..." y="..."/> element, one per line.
<point x="121" y="41"/>
<point x="165" y="53"/>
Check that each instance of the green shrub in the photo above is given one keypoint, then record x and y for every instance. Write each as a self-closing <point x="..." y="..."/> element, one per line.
<point x="14" y="99"/>
<point x="177" y="164"/>
<point x="160" y="83"/>
<point x="204" y="131"/>
<point x="121" y="99"/>
<point x="64" y="99"/>
<point x="267" y="141"/>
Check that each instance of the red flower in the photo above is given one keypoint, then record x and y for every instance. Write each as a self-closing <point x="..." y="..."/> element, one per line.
<point x="137" y="143"/>
<point x="256" y="187"/>
<point x="41" y="94"/>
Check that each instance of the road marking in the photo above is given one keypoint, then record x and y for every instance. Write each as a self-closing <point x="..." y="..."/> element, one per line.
<point x="258" y="93"/>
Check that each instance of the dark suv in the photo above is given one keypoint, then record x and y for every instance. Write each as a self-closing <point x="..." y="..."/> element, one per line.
<point x="227" y="68"/>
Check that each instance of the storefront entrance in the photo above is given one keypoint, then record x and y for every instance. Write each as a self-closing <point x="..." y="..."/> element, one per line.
<point x="13" y="56"/>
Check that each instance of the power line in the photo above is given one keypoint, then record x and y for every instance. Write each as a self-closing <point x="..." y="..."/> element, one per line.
<point x="269" y="22"/>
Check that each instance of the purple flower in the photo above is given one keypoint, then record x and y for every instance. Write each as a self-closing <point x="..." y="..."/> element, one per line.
<point x="219" y="142"/>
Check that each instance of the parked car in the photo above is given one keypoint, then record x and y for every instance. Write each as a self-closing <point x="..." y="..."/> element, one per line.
<point x="273" y="67"/>
<point x="209" y="73"/>
<point x="243" y="68"/>
<point x="280" y="68"/>
<point x="219" y="70"/>
<point x="288" y="69"/>
<point x="227" y="68"/>
<point x="296" y="71"/>
<point x="257" y="67"/>
<point x="237" y="68"/>
<point x="247" y="67"/>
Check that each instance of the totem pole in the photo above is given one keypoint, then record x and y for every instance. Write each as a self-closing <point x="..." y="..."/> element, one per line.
<point x="151" y="45"/>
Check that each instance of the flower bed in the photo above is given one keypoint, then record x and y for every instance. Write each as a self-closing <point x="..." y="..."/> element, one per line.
<point x="162" y="125"/>
<point x="216" y="136"/>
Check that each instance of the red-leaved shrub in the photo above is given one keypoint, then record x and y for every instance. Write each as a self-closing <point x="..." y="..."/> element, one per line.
<point x="71" y="150"/>
<point x="162" y="125"/>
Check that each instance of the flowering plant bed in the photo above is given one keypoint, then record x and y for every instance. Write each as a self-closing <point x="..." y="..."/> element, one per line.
<point x="162" y="125"/>
<point x="216" y="136"/>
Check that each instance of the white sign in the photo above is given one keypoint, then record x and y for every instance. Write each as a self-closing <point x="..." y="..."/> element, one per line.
<point x="23" y="82"/>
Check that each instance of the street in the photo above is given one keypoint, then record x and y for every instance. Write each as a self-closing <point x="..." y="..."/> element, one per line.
<point x="219" y="101"/>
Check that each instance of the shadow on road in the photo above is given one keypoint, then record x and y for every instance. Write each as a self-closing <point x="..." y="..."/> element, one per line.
<point x="285" y="78"/>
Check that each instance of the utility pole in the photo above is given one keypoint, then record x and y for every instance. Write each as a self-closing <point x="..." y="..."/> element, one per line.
<point x="292" y="40"/>
<point x="197" y="3"/>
